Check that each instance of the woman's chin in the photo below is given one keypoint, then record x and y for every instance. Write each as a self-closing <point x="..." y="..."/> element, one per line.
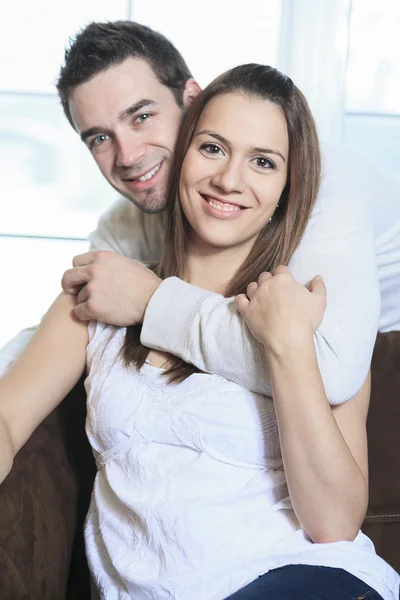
<point x="210" y="240"/>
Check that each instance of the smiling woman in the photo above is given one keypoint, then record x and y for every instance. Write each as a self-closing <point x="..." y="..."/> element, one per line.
<point x="226" y="177"/>
<point x="235" y="190"/>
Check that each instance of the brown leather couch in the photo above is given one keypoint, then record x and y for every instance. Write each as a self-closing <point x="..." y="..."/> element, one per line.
<point x="44" y="500"/>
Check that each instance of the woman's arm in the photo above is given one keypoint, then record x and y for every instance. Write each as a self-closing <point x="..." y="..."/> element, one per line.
<point x="324" y="451"/>
<point x="45" y="372"/>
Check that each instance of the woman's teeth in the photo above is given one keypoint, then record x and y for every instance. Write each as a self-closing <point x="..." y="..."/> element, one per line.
<point x="222" y="205"/>
<point x="150" y="174"/>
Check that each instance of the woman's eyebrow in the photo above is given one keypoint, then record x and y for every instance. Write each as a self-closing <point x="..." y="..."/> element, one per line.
<point x="268" y="151"/>
<point x="223" y="140"/>
<point x="218" y="137"/>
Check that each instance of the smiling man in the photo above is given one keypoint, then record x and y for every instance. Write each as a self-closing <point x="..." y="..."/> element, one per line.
<point x="124" y="88"/>
<point x="130" y="129"/>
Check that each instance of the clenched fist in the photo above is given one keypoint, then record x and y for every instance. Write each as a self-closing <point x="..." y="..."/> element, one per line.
<point x="280" y="311"/>
<point x="110" y="288"/>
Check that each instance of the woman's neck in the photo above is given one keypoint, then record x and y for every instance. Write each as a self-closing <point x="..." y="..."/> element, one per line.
<point x="212" y="268"/>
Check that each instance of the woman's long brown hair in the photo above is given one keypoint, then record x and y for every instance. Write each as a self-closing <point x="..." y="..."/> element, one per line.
<point x="278" y="240"/>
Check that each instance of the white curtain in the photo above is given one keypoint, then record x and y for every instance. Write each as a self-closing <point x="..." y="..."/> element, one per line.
<point x="313" y="52"/>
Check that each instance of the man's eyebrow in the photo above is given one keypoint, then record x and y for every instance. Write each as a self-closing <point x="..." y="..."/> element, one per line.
<point x="93" y="131"/>
<point x="221" y="139"/>
<point x="128" y="112"/>
<point x="131" y="110"/>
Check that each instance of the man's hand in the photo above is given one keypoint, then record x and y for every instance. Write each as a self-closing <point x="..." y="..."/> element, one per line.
<point x="110" y="288"/>
<point x="280" y="311"/>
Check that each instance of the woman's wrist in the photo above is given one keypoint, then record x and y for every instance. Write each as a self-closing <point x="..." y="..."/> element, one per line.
<point x="289" y="344"/>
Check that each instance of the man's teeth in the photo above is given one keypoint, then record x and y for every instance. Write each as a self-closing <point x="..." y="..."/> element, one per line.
<point x="222" y="205"/>
<point x="150" y="174"/>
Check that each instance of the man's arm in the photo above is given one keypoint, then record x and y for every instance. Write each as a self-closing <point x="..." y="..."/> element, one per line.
<point x="205" y="329"/>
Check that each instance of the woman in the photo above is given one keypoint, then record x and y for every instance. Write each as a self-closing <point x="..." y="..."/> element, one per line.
<point x="191" y="499"/>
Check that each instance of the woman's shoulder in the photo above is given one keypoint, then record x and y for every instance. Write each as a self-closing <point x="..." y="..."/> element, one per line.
<point x="105" y="344"/>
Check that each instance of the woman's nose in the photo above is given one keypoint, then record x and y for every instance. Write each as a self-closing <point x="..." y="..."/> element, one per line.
<point x="229" y="177"/>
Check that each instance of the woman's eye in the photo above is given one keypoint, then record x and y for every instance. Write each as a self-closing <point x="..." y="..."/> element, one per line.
<point x="98" y="140"/>
<point x="264" y="163"/>
<point x="211" y="149"/>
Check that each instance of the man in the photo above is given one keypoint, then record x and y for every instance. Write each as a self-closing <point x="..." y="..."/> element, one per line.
<point x="123" y="88"/>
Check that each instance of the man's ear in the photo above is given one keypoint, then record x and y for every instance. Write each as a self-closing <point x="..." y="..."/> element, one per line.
<point x="192" y="89"/>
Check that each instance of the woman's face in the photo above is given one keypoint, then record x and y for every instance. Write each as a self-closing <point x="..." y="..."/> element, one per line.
<point x="235" y="170"/>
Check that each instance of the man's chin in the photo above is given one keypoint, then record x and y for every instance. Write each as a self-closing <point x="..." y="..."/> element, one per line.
<point x="151" y="204"/>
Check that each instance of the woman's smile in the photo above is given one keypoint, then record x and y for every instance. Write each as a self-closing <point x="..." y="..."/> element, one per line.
<point x="221" y="209"/>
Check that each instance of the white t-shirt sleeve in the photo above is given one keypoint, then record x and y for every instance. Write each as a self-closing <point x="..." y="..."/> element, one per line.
<point x="206" y="330"/>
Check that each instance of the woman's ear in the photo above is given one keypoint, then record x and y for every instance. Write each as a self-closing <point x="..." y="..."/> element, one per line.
<point x="192" y="89"/>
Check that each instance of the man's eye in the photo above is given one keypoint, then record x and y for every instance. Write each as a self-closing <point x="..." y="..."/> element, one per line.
<point x="98" y="140"/>
<point x="211" y="148"/>
<point x="142" y="118"/>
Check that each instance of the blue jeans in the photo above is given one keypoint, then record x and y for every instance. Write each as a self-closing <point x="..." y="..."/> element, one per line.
<point x="305" y="582"/>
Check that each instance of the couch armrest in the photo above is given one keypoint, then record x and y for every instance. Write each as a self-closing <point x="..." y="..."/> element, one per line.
<point x="38" y="512"/>
<point x="382" y="523"/>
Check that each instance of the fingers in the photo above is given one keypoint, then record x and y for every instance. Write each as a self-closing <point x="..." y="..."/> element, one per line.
<point x="83" y="295"/>
<point x="282" y="270"/>
<point x="318" y="290"/>
<point x="81" y="260"/>
<point x="317" y="286"/>
<point x="251" y="289"/>
<point x="264" y="277"/>
<point x="74" y="278"/>
<point x="241" y="303"/>
<point x="253" y="286"/>
<point x="82" y="312"/>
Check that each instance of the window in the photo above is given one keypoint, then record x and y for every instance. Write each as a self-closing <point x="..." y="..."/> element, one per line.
<point x="49" y="185"/>
<point x="372" y="117"/>
<point x="52" y="192"/>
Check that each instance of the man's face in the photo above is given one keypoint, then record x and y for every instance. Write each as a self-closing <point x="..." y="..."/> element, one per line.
<point x="130" y="122"/>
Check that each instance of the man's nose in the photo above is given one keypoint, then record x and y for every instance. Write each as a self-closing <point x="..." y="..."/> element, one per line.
<point x="129" y="152"/>
<point x="229" y="177"/>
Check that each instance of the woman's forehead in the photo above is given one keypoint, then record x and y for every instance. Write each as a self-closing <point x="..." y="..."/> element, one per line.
<point x="245" y="121"/>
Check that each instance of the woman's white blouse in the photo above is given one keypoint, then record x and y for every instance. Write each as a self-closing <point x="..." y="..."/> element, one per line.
<point x="190" y="500"/>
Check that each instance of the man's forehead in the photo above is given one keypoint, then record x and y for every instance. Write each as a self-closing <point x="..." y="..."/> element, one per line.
<point x="114" y="92"/>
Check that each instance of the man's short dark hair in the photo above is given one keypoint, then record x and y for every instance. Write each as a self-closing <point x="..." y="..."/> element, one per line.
<point x="102" y="45"/>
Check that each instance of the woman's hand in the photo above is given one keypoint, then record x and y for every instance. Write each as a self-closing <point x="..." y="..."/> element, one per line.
<point x="279" y="310"/>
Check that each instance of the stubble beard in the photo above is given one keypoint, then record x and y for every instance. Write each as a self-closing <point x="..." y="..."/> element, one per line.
<point x="150" y="201"/>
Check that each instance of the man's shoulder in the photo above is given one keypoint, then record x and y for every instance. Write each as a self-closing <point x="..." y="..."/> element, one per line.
<point x="352" y="183"/>
<point x="121" y="211"/>
<point x="125" y="215"/>
<point x="344" y="174"/>
<point x="127" y="230"/>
